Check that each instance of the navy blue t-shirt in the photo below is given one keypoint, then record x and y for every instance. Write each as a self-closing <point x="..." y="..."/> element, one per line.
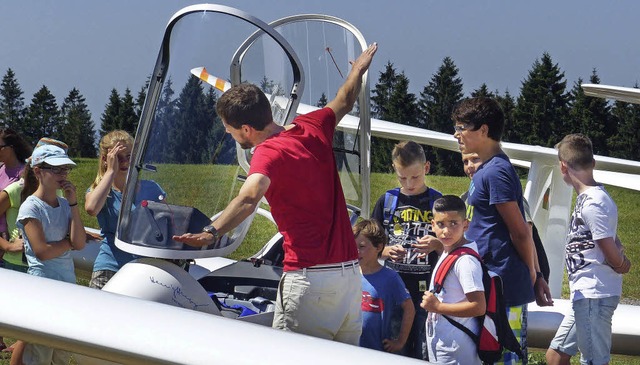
<point x="494" y="183"/>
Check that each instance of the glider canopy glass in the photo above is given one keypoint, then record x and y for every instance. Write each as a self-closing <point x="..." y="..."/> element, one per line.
<point x="181" y="145"/>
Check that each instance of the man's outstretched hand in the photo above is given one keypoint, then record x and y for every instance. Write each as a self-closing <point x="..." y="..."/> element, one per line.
<point x="361" y="65"/>
<point x="195" y="239"/>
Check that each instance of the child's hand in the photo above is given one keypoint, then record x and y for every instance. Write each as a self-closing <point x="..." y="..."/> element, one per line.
<point x="397" y="252"/>
<point x="113" y="164"/>
<point x="427" y="244"/>
<point x="17" y="245"/>
<point x="624" y="267"/>
<point x="69" y="191"/>
<point x="429" y="302"/>
<point x="390" y="345"/>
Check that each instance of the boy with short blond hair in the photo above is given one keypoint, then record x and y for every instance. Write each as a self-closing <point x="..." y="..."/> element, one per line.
<point x="383" y="292"/>
<point x="405" y="214"/>
<point x="594" y="257"/>
<point x="461" y="297"/>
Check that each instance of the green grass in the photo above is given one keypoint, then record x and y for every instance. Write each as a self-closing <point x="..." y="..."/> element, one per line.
<point x="185" y="185"/>
<point x="198" y="188"/>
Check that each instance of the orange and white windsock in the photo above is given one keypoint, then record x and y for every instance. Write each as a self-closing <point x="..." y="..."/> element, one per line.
<point x="203" y="75"/>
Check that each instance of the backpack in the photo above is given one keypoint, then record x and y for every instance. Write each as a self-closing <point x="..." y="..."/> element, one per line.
<point x="390" y="205"/>
<point x="495" y="331"/>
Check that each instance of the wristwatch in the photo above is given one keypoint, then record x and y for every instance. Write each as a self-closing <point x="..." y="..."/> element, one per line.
<point x="211" y="229"/>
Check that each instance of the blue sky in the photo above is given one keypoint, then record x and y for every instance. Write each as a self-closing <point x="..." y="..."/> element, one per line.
<point x="96" y="46"/>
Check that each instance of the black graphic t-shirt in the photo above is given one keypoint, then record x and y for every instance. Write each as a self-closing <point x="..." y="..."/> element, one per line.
<point x="410" y="220"/>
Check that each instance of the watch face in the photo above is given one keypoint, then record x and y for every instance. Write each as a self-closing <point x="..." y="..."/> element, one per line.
<point x="210" y="229"/>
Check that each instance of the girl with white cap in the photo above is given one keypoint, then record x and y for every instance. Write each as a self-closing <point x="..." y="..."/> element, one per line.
<point x="51" y="227"/>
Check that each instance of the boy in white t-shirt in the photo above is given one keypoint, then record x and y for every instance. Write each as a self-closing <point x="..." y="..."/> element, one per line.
<point x="462" y="294"/>
<point x="594" y="258"/>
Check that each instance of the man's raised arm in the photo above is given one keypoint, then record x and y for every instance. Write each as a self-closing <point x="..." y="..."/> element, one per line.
<point x="348" y="93"/>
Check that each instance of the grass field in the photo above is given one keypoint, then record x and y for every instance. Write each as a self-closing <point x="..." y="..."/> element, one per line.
<point x="204" y="196"/>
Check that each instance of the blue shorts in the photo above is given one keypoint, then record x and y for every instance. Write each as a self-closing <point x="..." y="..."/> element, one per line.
<point x="593" y="326"/>
<point x="566" y="340"/>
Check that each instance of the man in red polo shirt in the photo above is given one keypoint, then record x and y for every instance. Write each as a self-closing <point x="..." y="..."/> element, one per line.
<point x="295" y="169"/>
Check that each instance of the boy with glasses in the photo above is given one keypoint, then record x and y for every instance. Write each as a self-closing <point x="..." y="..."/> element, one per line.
<point x="495" y="211"/>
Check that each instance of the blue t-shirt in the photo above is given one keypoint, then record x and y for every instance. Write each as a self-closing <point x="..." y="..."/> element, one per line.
<point x="382" y="292"/>
<point x="111" y="257"/>
<point x="496" y="182"/>
<point x="55" y="225"/>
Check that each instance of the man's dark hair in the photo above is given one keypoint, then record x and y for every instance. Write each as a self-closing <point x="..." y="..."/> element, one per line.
<point x="450" y="203"/>
<point x="478" y="111"/>
<point x="244" y="104"/>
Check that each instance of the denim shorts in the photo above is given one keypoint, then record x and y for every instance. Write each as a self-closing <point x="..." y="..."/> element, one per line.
<point x="566" y="340"/>
<point x="593" y="326"/>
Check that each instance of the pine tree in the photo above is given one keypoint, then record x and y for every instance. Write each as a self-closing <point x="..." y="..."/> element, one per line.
<point x="142" y="95"/>
<point x="77" y="126"/>
<point x="381" y="94"/>
<point x="161" y="127"/>
<point x="542" y="105"/>
<point x="508" y="104"/>
<point x="482" y="91"/>
<point x="111" y="115"/>
<point x="381" y="147"/>
<point x="12" y="110"/>
<point x="43" y="117"/>
<point x="127" y="113"/>
<point x="624" y="143"/>
<point x="222" y="147"/>
<point x="322" y="102"/>
<point x="393" y="102"/>
<point x="192" y="125"/>
<point x="266" y="85"/>
<point x="403" y="107"/>
<point x="590" y="116"/>
<point x="437" y="101"/>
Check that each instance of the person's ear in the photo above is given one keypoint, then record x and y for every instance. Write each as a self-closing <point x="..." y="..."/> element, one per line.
<point x="484" y="129"/>
<point x="247" y="129"/>
<point x="427" y="167"/>
<point x="563" y="167"/>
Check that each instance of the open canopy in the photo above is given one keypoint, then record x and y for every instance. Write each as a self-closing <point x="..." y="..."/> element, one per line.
<point x="181" y="145"/>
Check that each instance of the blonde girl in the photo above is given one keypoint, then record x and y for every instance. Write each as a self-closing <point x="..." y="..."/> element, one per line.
<point x="104" y="198"/>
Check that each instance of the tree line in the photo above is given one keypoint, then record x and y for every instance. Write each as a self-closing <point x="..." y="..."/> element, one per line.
<point x="185" y="128"/>
<point x="70" y="122"/>
<point x="543" y="113"/>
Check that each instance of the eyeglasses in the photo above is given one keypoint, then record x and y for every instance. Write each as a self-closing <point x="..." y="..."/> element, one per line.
<point x="58" y="170"/>
<point x="461" y="128"/>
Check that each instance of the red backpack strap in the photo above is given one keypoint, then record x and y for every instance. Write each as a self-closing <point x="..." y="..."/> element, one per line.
<point x="448" y="263"/>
